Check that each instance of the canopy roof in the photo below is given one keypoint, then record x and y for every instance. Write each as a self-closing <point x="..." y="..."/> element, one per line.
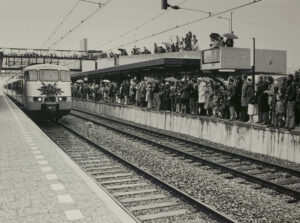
<point x="163" y="65"/>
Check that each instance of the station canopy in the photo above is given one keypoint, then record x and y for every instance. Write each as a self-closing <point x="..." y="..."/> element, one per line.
<point x="160" y="66"/>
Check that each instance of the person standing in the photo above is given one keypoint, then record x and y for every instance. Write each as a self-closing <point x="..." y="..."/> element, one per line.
<point x="291" y="103"/>
<point x="244" y="98"/>
<point x="262" y="98"/>
<point x="201" y="96"/>
<point x="274" y="121"/>
<point x="298" y="103"/>
<point x="185" y="96"/>
<point x="209" y="93"/>
<point x="231" y="95"/>
<point x="149" y="95"/>
<point x="238" y="95"/>
<point x="126" y="92"/>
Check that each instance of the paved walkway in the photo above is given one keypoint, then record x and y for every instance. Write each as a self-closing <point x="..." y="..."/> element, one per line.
<point x="39" y="183"/>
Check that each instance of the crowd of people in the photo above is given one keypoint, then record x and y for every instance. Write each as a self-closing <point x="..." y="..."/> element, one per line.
<point x="187" y="43"/>
<point x="277" y="103"/>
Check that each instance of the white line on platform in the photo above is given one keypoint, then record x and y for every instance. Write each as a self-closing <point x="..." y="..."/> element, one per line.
<point x="46" y="169"/>
<point x="57" y="186"/>
<point x="39" y="157"/>
<point x="36" y="152"/>
<point x="31" y="144"/>
<point x="73" y="215"/>
<point x="34" y="147"/>
<point x="51" y="176"/>
<point x="65" y="198"/>
<point x="43" y="162"/>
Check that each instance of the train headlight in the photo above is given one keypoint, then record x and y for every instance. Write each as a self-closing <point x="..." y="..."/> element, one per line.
<point x="60" y="99"/>
<point x="37" y="99"/>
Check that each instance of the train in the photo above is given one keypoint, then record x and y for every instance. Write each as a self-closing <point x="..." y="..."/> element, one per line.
<point x="42" y="89"/>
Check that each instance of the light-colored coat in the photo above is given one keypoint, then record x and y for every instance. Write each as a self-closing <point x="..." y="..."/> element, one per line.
<point x="201" y="92"/>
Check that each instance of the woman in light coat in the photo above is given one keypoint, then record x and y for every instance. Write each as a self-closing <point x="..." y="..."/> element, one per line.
<point x="201" y="96"/>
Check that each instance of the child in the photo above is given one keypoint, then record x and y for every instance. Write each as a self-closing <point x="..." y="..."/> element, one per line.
<point x="252" y="108"/>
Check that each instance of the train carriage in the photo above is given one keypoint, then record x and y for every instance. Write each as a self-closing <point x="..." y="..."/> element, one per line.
<point x="42" y="89"/>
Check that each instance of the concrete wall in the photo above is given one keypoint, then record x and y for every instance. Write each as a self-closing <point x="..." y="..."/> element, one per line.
<point x="276" y="143"/>
<point x="271" y="61"/>
<point x="228" y="57"/>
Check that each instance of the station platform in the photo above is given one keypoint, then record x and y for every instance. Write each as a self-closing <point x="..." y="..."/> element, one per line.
<point x="252" y="138"/>
<point x="40" y="183"/>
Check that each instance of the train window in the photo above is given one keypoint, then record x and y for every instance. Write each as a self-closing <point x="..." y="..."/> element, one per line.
<point x="31" y="75"/>
<point x="9" y="86"/>
<point x="49" y="75"/>
<point x="64" y="75"/>
<point x="19" y="87"/>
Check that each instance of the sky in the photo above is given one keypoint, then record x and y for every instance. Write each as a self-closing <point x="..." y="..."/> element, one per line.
<point x="29" y="23"/>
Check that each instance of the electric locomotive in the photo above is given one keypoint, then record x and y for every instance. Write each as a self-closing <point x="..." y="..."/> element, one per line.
<point x="43" y="89"/>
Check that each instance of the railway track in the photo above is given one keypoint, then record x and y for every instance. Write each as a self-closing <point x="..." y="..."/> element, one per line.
<point x="279" y="178"/>
<point x="146" y="197"/>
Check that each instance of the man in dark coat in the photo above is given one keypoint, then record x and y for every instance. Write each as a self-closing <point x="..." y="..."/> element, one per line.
<point x="262" y="98"/>
<point x="291" y="103"/>
<point x="238" y="95"/>
<point x="231" y="98"/>
<point x="185" y="95"/>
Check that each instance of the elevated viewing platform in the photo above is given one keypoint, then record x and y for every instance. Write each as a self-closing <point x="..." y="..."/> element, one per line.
<point x="254" y="138"/>
<point x="232" y="59"/>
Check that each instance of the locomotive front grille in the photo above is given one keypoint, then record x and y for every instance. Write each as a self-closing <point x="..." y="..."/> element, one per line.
<point x="50" y="99"/>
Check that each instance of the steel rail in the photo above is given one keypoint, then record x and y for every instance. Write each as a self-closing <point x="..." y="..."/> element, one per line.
<point x="265" y="183"/>
<point x="195" y="202"/>
<point x="200" y="146"/>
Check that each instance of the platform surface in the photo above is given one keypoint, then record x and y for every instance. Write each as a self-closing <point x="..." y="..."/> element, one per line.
<point x="39" y="183"/>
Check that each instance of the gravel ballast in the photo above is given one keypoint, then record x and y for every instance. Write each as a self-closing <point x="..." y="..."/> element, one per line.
<point x="239" y="200"/>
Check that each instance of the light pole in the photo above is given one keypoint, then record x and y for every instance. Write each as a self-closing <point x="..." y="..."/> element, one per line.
<point x="253" y="66"/>
<point x="228" y="19"/>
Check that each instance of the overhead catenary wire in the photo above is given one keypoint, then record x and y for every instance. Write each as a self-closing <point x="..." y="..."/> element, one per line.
<point x="137" y="27"/>
<point x="188" y="23"/>
<point x="79" y="24"/>
<point x="61" y="23"/>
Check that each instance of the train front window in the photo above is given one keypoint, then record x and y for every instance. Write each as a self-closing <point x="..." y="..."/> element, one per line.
<point x="31" y="75"/>
<point x="49" y="75"/>
<point x="65" y="76"/>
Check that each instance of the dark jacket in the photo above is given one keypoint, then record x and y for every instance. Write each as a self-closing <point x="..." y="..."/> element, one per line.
<point x="231" y="95"/>
<point x="291" y="92"/>
<point x="186" y="90"/>
<point x="262" y="97"/>
<point x="126" y="88"/>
